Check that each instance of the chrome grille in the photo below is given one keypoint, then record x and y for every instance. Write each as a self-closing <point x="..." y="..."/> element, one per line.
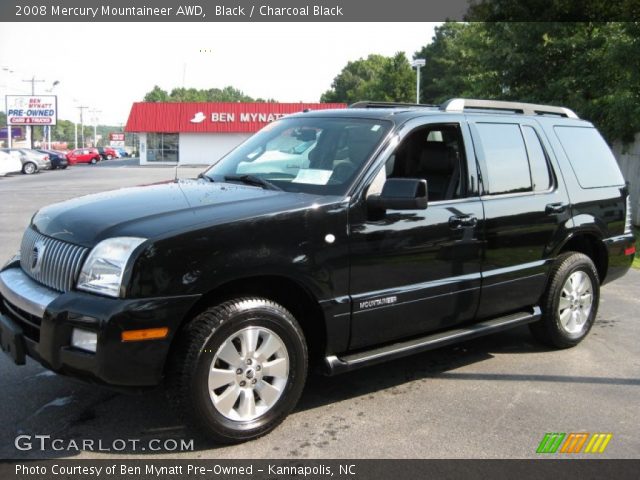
<point x="51" y="262"/>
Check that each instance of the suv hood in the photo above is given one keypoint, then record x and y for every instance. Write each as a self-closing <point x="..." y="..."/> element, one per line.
<point x="157" y="210"/>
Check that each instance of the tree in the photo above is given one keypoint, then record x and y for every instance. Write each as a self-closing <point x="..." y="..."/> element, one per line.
<point x="454" y="64"/>
<point x="591" y="68"/>
<point x="374" y="78"/>
<point x="156" y="95"/>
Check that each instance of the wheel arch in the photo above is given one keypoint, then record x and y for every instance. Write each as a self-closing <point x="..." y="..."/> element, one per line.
<point x="283" y="290"/>
<point x="589" y="243"/>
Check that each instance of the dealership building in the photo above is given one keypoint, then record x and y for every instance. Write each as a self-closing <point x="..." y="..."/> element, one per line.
<point x="201" y="133"/>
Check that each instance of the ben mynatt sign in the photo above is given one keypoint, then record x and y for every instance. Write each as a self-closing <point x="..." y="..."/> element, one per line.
<point x="31" y="109"/>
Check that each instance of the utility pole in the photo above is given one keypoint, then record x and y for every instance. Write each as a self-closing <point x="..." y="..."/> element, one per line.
<point x="82" y="109"/>
<point x="33" y="82"/>
<point x="95" y="125"/>
<point x="48" y="127"/>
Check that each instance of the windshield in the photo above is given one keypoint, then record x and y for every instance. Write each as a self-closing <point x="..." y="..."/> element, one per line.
<point x="312" y="155"/>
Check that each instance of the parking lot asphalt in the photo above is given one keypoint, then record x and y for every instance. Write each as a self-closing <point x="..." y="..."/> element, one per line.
<point x="493" y="397"/>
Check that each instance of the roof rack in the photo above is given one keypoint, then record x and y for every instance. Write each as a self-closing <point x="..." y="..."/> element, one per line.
<point x="462" y="104"/>
<point x="368" y="104"/>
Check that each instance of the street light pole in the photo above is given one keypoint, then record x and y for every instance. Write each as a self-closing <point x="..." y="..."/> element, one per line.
<point x="95" y="125"/>
<point x="81" y="108"/>
<point x="33" y="82"/>
<point x="418" y="63"/>
<point x="48" y="127"/>
<point x="9" y="139"/>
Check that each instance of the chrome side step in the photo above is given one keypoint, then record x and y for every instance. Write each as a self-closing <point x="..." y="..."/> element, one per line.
<point x="353" y="361"/>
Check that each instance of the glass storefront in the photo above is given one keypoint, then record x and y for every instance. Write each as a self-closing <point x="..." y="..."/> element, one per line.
<point x="162" y="147"/>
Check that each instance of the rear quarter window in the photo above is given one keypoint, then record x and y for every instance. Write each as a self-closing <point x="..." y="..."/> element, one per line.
<point x="591" y="159"/>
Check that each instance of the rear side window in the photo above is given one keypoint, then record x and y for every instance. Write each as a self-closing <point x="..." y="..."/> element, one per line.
<point x="506" y="158"/>
<point x="590" y="157"/>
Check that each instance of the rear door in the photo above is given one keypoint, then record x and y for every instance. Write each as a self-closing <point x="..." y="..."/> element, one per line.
<point x="526" y="207"/>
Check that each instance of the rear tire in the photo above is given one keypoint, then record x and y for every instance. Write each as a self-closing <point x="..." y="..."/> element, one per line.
<point x="29" y="168"/>
<point x="94" y="161"/>
<point x="570" y="303"/>
<point x="238" y="369"/>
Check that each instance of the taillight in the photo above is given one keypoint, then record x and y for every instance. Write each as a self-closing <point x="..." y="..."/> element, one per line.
<point x="627" y="220"/>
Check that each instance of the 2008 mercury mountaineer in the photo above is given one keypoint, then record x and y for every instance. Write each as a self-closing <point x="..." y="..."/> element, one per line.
<point x="347" y="236"/>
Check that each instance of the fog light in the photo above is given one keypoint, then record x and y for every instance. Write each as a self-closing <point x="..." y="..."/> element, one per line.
<point x="84" y="340"/>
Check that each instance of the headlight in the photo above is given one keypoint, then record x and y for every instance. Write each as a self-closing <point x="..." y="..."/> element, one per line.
<point x="102" y="271"/>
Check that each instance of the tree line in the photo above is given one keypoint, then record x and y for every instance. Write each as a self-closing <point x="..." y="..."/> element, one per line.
<point x="226" y="94"/>
<point x="590" y="67"/>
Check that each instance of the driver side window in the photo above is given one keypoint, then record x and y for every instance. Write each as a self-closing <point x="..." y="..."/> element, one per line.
<point x="434" y="153"/>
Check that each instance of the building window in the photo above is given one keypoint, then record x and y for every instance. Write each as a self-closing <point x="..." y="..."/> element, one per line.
<point x="162" y="147"/>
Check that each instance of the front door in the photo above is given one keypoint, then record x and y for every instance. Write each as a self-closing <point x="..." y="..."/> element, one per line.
<point x="418" y="271"/>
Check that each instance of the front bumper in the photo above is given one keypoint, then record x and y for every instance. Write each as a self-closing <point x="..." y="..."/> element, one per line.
<point x="41" y="320"/>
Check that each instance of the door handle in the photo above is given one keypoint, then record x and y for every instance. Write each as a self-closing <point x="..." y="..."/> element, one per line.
<point x="555" y="208"/>
<point x="460" y="221"/>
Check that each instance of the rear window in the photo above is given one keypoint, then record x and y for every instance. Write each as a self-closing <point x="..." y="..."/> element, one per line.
<point x="590" y="157"/>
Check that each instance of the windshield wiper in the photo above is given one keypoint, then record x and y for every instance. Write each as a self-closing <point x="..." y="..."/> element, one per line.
<point x="206" y="177"/>
<point x="253" y="180"/>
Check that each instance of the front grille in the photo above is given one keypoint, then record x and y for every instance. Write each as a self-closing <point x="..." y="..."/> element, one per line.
<point x="51" y="262"/>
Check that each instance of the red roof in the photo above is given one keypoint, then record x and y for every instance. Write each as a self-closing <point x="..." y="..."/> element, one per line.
<point x="227" y="117"/>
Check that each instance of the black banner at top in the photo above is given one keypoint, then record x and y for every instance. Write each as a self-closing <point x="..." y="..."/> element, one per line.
<point x="315" y="10"/>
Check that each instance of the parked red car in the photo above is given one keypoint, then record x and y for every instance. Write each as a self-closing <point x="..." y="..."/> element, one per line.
<point x="83" y="155"/>
<point x="107" y="153"/>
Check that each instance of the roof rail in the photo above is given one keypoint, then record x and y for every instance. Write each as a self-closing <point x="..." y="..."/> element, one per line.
<point x="462" y="104"/>
<point x="368" y="104"/>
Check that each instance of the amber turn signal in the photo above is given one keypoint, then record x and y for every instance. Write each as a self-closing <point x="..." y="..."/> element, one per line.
<point x="145" y="334"/>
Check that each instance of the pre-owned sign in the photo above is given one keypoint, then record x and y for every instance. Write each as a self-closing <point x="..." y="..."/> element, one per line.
<point x="31" y="109"/>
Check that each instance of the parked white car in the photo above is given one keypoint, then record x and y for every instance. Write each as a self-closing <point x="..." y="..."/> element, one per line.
<point x="10" y="163"/>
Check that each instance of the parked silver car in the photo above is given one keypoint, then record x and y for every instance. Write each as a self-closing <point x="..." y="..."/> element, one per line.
<point x="32" y="161"/>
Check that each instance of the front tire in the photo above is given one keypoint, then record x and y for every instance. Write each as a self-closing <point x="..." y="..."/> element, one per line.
<point x="238" y="369"/>
<point x="570" y="303"/>
<point x="94" y="161"/>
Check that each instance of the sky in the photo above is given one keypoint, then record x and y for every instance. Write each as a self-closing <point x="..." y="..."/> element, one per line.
<point x="108" y="66"/>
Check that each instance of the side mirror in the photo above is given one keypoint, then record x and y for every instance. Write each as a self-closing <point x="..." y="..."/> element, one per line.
<point x="401" y="194"/>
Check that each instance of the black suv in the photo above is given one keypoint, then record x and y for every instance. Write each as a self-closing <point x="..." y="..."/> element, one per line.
<point x="397" y="229"/>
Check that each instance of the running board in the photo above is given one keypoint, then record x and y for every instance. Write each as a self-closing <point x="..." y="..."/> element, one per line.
<point x="353" y="361"/>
